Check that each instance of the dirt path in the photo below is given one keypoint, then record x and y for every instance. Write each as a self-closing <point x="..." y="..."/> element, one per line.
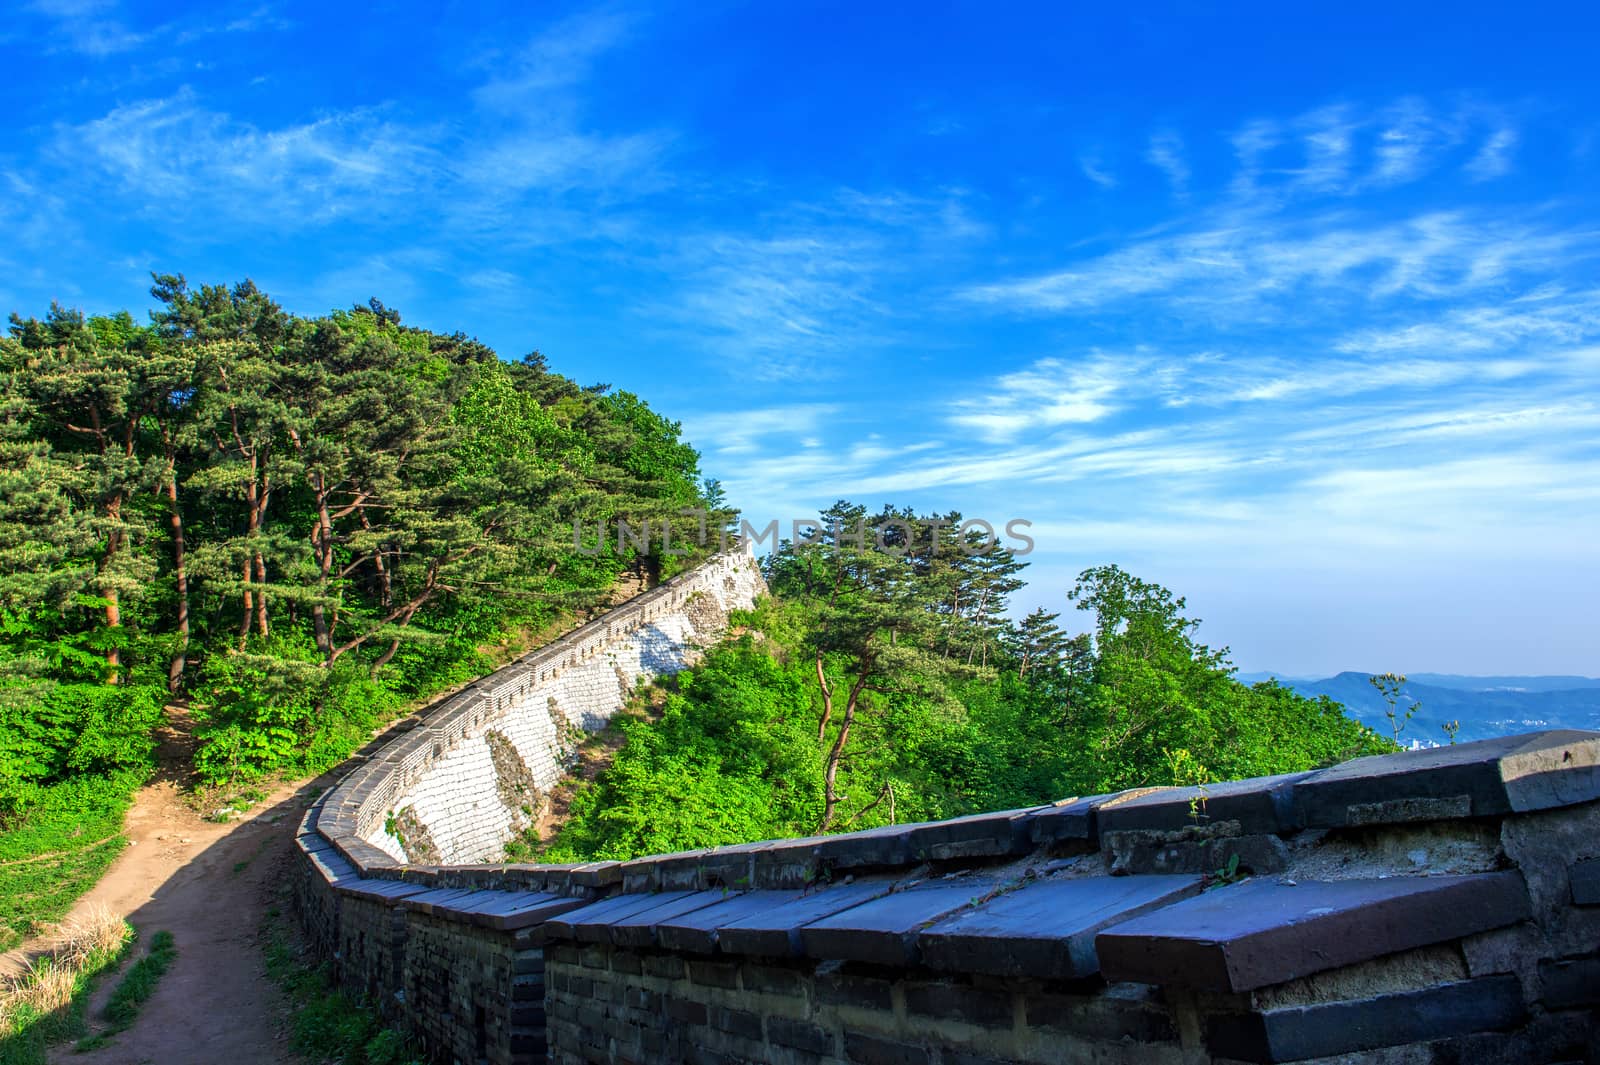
<point x="210" y="885"/>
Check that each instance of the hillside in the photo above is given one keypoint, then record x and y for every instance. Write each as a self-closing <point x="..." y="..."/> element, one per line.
<point x="1485" y="706"/>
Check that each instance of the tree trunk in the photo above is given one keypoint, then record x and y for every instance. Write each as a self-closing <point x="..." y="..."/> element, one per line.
<point x="110" y="594"/>
<point x="827" y="700"/>
<point x="180" y="656"/>
<point x="322" y="543"/>
<point x="830" y="792"/>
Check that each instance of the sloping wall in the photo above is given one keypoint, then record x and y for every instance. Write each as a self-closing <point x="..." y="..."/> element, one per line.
<point x="479" y="770"/>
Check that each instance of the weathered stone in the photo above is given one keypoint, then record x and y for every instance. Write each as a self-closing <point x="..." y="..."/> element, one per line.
<point x="591" y="924"/>
<point x="999" y="834"/>
<point x="1045" y="930"/>
<point x="1299" y="1032"/>
<point x="1260" y="805"/>
<point x="1510" y="774"/>
<point x="1585" y="879"/>
<point x="775" y="932"/>
<point x="870" y="1050"/>
<point x="1266" y="931"/>
<point x="1160" y="853"/>
<point x="960" y="1002"/>
<point x="639" y="929"/>
<point x="380" y="890"/>
<point x="890" y="845"/>
<point x="884" y="930"/>
<point x="696" y="931"/>
<point x="1070" y="821"/>
<point x="1568" y="983"/>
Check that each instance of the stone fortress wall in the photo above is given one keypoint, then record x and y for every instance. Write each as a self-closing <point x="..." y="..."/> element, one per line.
<point x="1421" y="908"/>
<point x="479" y="770"/>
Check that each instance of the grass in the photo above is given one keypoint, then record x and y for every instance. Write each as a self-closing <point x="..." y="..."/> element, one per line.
<point x="330" y="1025"/>
<point x="46" y="1004"/>
<point x="135" y="989"/>
<point x="57" y="850"/>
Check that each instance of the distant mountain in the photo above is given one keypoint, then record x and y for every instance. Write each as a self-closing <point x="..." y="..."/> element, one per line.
<point x="1485" y="706"/>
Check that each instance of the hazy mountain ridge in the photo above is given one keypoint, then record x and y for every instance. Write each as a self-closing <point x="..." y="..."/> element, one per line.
<point x="1484" y="706"/>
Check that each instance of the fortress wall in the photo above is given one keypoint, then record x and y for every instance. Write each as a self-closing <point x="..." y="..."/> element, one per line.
<point x="1411" y="909"/>
<point x="479" y="770"/>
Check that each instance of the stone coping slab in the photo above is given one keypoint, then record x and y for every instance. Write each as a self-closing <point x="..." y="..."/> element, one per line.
<point x="699" y="931"/>
<point x="1268" y="931"/>
<point x="1261" y="806"/>
<point x="1508" y="774"/>
<point x="1000" y="834"/>
<point x="639" y="929"/>
<point x="592" y="923"/>
<point x="1046" y="929"/>
<point x="1489" y="1004"/>
<point x="884" y="930"/>
<point x="775" y="932"/>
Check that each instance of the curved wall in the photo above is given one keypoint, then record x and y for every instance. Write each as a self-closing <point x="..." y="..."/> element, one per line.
<point x="479" y="769"/>
<point x="1416" y="908"/>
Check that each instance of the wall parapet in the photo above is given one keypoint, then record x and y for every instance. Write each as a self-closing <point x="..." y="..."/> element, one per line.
<point x="1425" y="906"/>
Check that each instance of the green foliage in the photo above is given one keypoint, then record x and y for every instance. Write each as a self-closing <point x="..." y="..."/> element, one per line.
<point x="301" y="524"/>
<point x="57" y="848"/>
<point x="329" y="1024"/>
<point x="890" y="688"/>
<point x="730" y="759"/>
<point x="139" y="983"/>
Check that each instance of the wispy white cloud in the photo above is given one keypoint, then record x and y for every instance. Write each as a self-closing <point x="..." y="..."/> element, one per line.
<point x="1165" y="153"/>
<point x="558" y="58"/>
<point x="743" y="432"/>
<point x="173" y="153"/>
<point x="88" y="27"/>
<point x="1096" y="171"/>
<point x="1246" y="262"/>
<point x="1050" y="393"/>
<point x="779" y="305"/>
<point x="1494" y="158"/>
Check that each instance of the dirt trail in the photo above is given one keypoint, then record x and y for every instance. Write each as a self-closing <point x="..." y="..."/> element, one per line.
<point x="210" y="885"/>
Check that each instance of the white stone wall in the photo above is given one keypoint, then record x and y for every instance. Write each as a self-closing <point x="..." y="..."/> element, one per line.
<point x="578" y="682"/>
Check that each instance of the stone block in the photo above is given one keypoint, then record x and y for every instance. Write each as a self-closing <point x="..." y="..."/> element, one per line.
<point x="1570" y="983"/>
<point x="638" y="929"/>
<point x="1260" y="805"/>
<point x="439" y="901"/>
<point x="875" y="847"/>
<point x="863" y="1049"/>
<point x="884" y="930"/>
<point x="1509" y="774"/>
<point x="1000" y="834"/>
<point x="589" y="924"/>
<point x="1268" y="931"/>
<point x="696" y="931"/>
<point x="380" y="890"/>
<point x="948" y="1001"/>
<point x="774" y="931"/>
<point x="1585" y="879"/>
<point x="1067" y="822"/>
<point x="1490" y="1004"/>
<point x="799" y="1035"/>
<point x="1046" y="929"/>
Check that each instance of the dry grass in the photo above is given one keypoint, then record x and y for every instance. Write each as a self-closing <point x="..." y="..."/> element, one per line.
<point x="45" y="1002"/>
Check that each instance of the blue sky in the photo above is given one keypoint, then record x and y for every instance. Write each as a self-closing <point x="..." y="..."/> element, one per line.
<point x="1297" y="312"/>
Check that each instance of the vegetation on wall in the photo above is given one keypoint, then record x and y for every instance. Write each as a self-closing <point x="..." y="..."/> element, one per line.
<point x="885" y="683"/>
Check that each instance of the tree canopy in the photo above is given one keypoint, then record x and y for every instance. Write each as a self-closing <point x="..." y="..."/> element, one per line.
<point x="293" y="524"/>
<point x="884" y="681"/>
